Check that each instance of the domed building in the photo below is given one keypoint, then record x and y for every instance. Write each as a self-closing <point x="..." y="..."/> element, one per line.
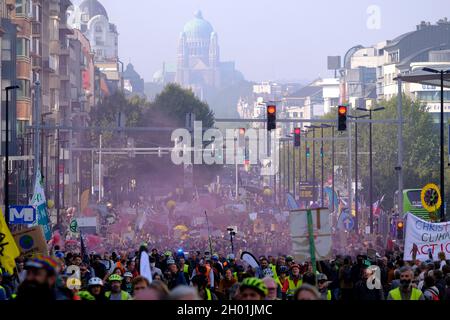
<point x="198" y="59"/>
<point x="92" y="19"/>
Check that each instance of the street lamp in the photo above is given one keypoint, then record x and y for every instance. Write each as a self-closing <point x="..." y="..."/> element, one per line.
<point x="356" y="168"/>
<point x="371" y="111"/>
<point x="441" y="72"/>
<point x="6" y="191"/>
<point x="323" y="126"/>
<point x="314" y="160"/>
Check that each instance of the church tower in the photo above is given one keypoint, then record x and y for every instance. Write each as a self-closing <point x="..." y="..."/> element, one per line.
<point x="214" y="60"/>
<point x="182" y="76"/>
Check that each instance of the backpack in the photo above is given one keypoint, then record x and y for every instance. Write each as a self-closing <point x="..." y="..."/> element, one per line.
<point x="430" y="292"/>
<point x="347" y="275"/>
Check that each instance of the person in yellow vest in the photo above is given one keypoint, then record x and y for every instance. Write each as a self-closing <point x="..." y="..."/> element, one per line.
<point x="116" y="292"/>
<point x="294" y="281"/>
<point x="406" y="291"/>
<point x="322" y="285"/>
<point x="201" y="283"/>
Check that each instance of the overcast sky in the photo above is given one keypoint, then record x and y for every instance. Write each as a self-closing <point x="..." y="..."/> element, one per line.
<point x="268" y="39"/>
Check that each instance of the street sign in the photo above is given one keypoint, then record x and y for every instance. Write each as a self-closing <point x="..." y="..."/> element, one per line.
<point x="74" y="226"/>
<point x="22" y="214"/>
<point x="306" y="192"/>
<point x="349" y="223"/>
<point x="87" y="225"/>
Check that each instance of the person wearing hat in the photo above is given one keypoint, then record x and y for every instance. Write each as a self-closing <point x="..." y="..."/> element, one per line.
<point x="40" y="282"/>
<point x="94" y="291"/>
<point x="252" y="289"/>
<point x="175" y="277"/>
<point x="294" y="281"/>
<point x="127" y="285"/>
<point x="322" y="285"/>
<point x="116" y="292"/>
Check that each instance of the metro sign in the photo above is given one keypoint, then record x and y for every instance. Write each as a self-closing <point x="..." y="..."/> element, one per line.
<point x="22" y="214"/>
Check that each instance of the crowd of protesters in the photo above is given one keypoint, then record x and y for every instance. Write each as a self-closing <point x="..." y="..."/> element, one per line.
<point x="199" y="275"/>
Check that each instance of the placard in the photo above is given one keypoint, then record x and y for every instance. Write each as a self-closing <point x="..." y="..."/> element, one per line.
<point x="31" y="241"/>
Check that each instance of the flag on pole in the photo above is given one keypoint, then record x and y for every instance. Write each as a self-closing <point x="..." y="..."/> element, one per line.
<point x="40" y="203"/>
<point x="83" y="251"/>
<point x="377" y="207"/>
<point x="8" y="247"/>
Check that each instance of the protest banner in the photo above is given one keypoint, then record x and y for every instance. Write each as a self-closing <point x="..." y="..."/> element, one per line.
<point x="300" y="234"/>
<point x="423" y="238"/>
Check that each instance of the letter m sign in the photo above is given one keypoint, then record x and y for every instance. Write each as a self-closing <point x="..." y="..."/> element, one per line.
<point x="22" y="214"/>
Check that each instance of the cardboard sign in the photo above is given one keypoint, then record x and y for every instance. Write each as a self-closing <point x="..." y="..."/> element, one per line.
<point x="321" y="228"/>
<point x="31" y="241"/>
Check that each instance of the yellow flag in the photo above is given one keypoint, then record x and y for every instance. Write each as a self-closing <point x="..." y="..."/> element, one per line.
<point x="84" y="200"/>
<point x="8" y="247"/>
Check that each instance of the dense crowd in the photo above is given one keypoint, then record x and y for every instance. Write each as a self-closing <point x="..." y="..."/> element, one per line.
<point x="205" y="276"/>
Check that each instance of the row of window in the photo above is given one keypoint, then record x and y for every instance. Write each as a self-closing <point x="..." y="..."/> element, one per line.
<point x="432" y="95"/>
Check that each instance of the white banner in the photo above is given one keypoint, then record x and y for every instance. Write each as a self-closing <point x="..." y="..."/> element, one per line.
<point x="426" y="239"/>
<point x="144" y="269"/>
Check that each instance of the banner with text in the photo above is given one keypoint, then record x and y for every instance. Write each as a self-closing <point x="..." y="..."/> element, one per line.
<point x="425" y="240"/>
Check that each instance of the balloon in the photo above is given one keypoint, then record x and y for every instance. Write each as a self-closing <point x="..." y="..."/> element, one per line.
<point x="50" y="204"/>
<point x="170" y="204"/>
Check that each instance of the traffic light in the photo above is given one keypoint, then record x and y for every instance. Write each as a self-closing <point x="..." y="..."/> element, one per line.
<point x="342" y="118"/>
<point x="400" y="227"/>
<point x="308" y="153"/>
<point x="321" y="152"/>
<point x="271" y="117"/>
<point x="297" y="132"/>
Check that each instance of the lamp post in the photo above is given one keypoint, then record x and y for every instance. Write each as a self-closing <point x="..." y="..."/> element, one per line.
<point x="356" y="169"/>
<point x="6" y="191"/>
<point x="442" y="176"/>
<point x="314" y="161"/>
<point x="371" y="111"/>
<point x="322" y="154"/>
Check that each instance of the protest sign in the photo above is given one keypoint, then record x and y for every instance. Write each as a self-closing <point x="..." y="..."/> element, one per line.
<point x="423" y="236"/>
<point x="31" y="241"/>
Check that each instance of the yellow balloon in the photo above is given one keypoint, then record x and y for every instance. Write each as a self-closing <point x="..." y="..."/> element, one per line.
<point x="50" y="204"/>
<point x="267" y="192"/>
<point x="171" y="204"/>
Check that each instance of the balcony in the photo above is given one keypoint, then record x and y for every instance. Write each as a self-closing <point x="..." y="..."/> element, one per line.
<point x="51" y="64"/>
<point x="36" y="29"/>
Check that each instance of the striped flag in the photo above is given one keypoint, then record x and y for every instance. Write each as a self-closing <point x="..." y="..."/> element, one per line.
<point x="377" y="207"/>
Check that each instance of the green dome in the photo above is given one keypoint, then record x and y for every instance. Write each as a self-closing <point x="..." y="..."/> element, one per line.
<point x="198" y="28"/>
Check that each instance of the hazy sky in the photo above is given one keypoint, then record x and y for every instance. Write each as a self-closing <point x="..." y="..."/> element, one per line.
<point x="268" y="39"/>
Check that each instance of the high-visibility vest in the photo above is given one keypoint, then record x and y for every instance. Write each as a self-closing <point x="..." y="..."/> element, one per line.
<point x="274" y="271"/>
<point x="124" y="295"/>
<point x="329" y="295"/>
<point x="208" y="294"/>
<point x="186" y="269"/>
<point x="396" y="294"/>
<point x="235" y="275"/>
<point x="293" y="287"/>
<point x="206" y="274"/>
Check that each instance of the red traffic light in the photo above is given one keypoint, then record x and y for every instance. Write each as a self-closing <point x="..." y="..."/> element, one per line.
<point x="242" y="131"/>
<point x="342" y="110"/>
<point x="297" y="131"/>
<point x="271" y="109"/>
<point x="400" y="225"/>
